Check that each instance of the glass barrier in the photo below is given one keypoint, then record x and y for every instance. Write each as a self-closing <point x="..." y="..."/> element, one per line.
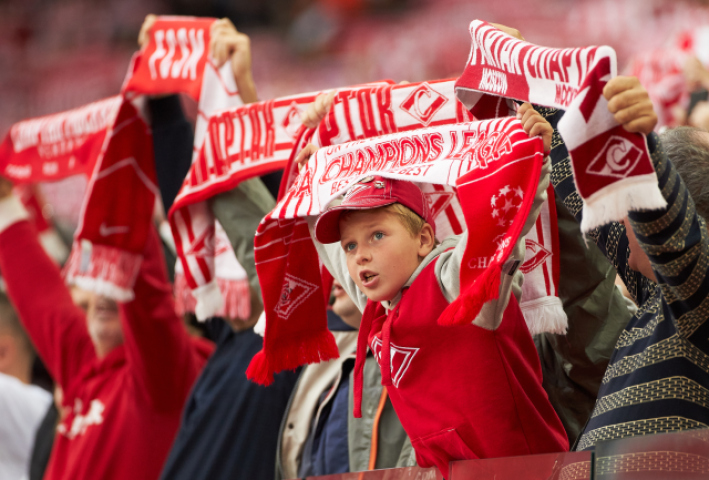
<point x="552" y="466"/>
<point x="676" y="456"/>
<point x="411" y="473"/>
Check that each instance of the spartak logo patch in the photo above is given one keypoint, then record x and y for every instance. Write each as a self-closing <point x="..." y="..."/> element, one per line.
<point x="400" y="357"/>
<point x="293" y="293"/>
<point x="292" y="121"/>
<point x="618" y="158"/>
<point x="423" y="103"/>
<point x="536" y="254"/>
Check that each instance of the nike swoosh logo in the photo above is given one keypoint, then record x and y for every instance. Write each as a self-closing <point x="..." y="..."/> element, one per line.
<point x="106" y="231"/>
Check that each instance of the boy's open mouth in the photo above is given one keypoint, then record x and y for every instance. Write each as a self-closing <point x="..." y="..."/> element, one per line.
<point x="367" y="278"/>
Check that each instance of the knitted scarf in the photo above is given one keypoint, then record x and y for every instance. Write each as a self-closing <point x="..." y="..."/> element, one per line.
<point x="237" y="143"/>
<point x="110" y="142"/>
<point x="434" y="103"/>
<point x="440" y="155"/>
<point x="611" y="166"/>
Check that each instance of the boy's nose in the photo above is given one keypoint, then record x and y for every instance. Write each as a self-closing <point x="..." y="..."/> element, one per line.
<point x="363" y="256"/>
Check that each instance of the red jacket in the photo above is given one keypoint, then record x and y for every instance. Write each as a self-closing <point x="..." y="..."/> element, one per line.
<point x="462" y="392"/>
<point x="125" y="408"/>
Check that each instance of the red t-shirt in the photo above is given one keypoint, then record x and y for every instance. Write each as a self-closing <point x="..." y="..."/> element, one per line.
<point x="463" y="392"/>
<point x="124" y="409"/>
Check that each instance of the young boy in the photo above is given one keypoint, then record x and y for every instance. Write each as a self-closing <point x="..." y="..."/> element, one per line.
<point x="462" y="392"/>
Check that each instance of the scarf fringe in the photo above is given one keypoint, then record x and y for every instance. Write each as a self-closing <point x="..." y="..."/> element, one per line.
<point x="290" y="354"/>
<point x="209" y="301"/>
<point x="545" y="315"/>
<point x="613" y="203"/>
<point x="236" y="295"/>
<point x="464" y="309"/>
<point x="103" y="270"/>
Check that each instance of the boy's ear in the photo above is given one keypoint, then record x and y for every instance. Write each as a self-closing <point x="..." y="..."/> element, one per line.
<point x="427" y="240"/>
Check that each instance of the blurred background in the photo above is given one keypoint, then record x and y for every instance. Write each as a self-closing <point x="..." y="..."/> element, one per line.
<point x="60" y="54"/>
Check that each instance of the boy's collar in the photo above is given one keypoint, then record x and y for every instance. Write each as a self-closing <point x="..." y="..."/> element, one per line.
<point x="442" y="247"/>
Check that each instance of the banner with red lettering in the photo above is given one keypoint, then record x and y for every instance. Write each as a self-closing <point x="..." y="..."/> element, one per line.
<point x="612" y="167"/>
<point x="284" y="251"/>
<point x="117" y="210"/>
<point x="57" y="146"/>
<point x="174" y="58"/>
<point x="434" y="103"/>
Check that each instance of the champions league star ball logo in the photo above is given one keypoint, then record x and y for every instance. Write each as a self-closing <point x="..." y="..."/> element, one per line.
<point x="505" y="205"/>
<point x="504" y="208"/>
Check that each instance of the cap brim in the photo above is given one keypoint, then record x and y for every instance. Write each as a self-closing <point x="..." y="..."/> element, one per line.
<point x="327" y="227"/>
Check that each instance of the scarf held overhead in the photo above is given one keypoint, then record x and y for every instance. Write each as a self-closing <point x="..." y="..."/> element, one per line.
<point x="611" y="166"/>
<point x="285" y="253"/>
<point x="110" y="142"/>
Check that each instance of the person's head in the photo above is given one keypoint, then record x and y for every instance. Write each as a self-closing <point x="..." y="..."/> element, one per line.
<point x="102" y="320"/>
<point x="688" y="150"/>
<point x="16" y="351"/>
<point x="385" y="229"/>
<point x="344" y="307"/>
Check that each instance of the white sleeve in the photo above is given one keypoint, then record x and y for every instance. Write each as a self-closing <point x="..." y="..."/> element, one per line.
<point x="23" y="407"/>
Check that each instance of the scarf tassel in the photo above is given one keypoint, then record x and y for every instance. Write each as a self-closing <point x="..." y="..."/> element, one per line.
<point x="545" y="315"/>
<point x="291" y="353"/>
<point x="236" y="295"/>
<point x="103" y="269"/>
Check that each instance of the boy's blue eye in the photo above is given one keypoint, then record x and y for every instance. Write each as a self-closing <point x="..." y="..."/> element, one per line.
<point x="349" y="247"/>
<point x="378" y="235"/>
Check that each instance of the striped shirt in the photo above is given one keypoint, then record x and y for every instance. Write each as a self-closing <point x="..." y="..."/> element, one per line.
<point x="657" y="380"/>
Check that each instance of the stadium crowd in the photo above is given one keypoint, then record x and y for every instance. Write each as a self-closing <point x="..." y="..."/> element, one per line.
<point x="139" y="390"/>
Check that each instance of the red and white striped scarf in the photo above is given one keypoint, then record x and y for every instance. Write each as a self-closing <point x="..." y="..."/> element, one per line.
<point x="612" y="167"/>
<point x="434" y="103"/>
<point x="272" y="130"/>
<point x="296" y="332"/>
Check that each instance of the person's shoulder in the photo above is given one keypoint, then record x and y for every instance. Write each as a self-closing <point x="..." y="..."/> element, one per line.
<point x="11" y="387"/>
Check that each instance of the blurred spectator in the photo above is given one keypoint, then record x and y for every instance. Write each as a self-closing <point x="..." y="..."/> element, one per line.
<point x="22" y="405"/>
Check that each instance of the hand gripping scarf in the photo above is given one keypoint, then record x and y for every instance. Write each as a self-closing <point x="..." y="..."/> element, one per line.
<point x="441" y="155"/>
<point x="385" y="109"/>
<point x="612" y="168"/>
<point x="176" y="59"/>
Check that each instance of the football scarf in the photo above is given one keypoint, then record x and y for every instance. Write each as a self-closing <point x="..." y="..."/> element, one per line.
<point x="612" y="167"/>
<point x="462" y="154"/>
<point x="111" y="142"/>
<point x="434" y="103"/>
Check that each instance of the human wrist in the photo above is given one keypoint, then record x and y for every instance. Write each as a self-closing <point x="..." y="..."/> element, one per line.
<point x="11" y="211"/>
<point x="247" y="87"/>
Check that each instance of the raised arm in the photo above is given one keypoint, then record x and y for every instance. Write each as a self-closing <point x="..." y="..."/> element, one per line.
<point x="611" y="238"/>
<point x="675" y="240"/>
<point x="56" y="326"/>
<point x="164" y="360"/>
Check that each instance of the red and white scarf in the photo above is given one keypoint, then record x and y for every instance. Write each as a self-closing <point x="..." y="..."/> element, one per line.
<point x="110" y="141"/>
<point x="612" y="167"/>
<point x="379" y="110"/>
<point x="296" y="332"/>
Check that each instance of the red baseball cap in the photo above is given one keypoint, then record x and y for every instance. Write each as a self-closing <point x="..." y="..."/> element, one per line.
<point x="372" y="192"/>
